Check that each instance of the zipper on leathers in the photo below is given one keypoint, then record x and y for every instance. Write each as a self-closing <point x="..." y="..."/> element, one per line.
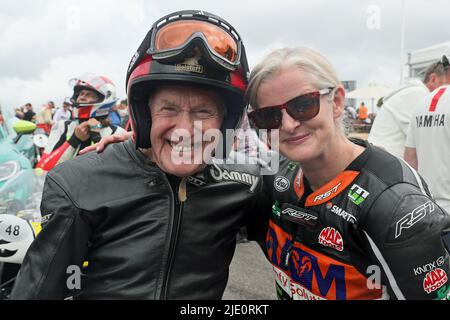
<point x="182" y="196"/>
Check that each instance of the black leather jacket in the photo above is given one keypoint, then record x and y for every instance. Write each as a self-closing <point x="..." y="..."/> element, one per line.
<point x="122" y="214"/>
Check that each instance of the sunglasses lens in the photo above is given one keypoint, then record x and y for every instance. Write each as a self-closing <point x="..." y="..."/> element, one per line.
<point x="266" y="118"/>
<point x="305" y="107"/>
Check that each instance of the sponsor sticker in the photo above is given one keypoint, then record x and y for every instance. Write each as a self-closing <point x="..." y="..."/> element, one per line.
<point x="299" y="215"/>
<point x="276" y="209"/>
<point x="413" y="217"/>
<point x="429" y="266"/>
<point x="190" y="65"/>
<point x="327" y="194"/>
<point x="443" y="293"/>
<point x="341" y="213"/>
<point x="357" y="194"/>
<point x="330" y="237"/>
<point x="292" y="289"/>
<point x="221" y="174"/>
<point x="195" y="181"/>
<point x="281" y="184"/>
<point x="434" y="280"/>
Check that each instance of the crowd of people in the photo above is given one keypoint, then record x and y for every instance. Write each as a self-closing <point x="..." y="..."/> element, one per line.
<point x="49" y="114"/>
<point x="141" y="226"/>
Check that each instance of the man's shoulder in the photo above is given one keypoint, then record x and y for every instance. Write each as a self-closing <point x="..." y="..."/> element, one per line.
<point x="92" y="165"/>
<point x="99" y="177"/>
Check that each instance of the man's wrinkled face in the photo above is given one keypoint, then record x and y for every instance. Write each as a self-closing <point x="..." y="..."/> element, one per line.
<point x="177" y="113"/>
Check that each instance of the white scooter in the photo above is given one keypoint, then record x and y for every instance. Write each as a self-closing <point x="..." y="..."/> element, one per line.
<point x="20" y="219"/>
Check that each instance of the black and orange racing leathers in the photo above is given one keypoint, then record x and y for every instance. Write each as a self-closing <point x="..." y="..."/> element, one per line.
<point x="373" y="232"/>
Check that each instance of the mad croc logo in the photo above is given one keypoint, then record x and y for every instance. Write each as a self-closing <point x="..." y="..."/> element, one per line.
<point x="330" y="237"/>
<point x="434" y="280"/>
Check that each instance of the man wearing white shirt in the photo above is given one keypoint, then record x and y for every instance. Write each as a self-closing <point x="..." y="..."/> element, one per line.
<point x="428" y="142"/>
<point x="63" y="114"/>
<point x="391" y="124"/>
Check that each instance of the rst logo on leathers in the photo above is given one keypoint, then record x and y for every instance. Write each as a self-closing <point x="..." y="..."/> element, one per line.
<point x="413" y="217"/>
<point x="299" y="215"/>
<point x="327" y="194"/>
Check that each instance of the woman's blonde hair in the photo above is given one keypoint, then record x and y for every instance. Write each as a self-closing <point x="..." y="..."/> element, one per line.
<point x="319" y="70"/>
<point x="314" y="64"/>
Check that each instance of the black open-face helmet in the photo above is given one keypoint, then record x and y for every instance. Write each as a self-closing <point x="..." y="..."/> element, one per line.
<point x="193" y="48"/>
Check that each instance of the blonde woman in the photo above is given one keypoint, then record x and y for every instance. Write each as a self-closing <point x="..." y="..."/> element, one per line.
<point x="349" y="220"/>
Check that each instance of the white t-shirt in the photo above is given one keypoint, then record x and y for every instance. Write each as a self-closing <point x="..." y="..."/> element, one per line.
<point x="391" y="124"/>
<point x="61" y="114"/>
<point x="429" y="133"/>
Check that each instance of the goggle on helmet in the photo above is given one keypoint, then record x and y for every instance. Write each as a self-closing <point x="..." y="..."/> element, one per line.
<point x="193" y="48"/>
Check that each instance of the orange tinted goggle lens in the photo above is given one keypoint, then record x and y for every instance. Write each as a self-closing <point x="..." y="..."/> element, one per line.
<point x="175" y="34"/>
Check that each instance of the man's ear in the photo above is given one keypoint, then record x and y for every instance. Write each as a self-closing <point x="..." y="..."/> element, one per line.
<point x="339" y="102"/>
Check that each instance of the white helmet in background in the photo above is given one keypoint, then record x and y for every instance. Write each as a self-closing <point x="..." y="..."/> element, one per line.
<point x="105" y="90"/>
<point x="16" y="236"/>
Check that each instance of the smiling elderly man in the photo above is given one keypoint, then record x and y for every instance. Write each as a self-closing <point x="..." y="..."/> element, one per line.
<point x="138" y="224"/>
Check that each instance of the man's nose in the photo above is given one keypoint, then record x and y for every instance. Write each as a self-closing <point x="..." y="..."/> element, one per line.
<point x="184" y="121"/>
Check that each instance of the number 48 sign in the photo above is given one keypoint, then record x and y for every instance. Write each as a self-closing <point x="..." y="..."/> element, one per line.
<point x="13" y="229"/>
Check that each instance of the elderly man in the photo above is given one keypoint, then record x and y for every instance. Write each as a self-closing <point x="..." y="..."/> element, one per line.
<point x="144" y="224"/>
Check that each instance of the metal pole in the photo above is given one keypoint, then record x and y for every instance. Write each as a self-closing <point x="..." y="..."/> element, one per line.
<point x="402" y="39"/>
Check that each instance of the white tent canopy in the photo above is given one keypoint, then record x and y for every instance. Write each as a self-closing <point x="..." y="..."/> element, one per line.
<point x="372" y="92"/>
<point x="419" y="60"/>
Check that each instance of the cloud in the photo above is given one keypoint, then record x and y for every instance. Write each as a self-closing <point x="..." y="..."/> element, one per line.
<point x="44" y="43"/>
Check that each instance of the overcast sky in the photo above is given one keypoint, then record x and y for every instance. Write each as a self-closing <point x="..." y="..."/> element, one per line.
<point x="44" y="43"/>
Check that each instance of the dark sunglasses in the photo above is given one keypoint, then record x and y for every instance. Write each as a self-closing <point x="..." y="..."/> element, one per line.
<point x="301" y="108"/>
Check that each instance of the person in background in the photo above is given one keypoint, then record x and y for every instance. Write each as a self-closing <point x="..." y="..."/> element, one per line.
<point x="92" y="100"/>
<point x="44" y="118"/>
<point x="428" y="141"/>
<point x="18" y="114"/>
<point x="63" y="114"/>
<point x="114" y="117"/>
<point x="390" y="127"/>
<point x="2" y="119"/>
<point x="362" y="112"/>
<point x="29" y="114"/>
<point x="122" y="109"/>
